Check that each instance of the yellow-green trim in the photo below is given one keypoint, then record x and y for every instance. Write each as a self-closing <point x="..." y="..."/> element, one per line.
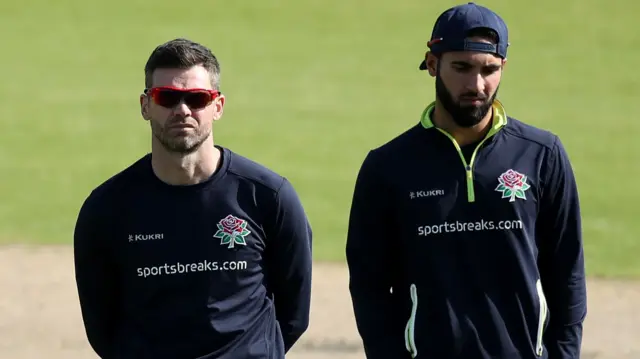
<point x="498" y="122"/>
<point x="543" y="312"/>
<point x="409" y="331"/>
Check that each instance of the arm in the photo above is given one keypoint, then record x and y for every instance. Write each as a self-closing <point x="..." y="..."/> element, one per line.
<point x="370" y="258"/>
<point x="289" y="264"/>
<point x="94" y="279"/>
<point x="562" y="268"/>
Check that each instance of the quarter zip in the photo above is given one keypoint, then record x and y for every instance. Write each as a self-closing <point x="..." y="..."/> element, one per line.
<point x="468" y="167"/>
<point x="498" y="122"/>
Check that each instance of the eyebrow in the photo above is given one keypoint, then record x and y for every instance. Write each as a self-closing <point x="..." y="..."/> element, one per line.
<point x="467" y="64"/>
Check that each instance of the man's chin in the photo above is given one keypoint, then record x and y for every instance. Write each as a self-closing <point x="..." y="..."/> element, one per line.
<point x="470" y="116"/>
<point x="180" y="145"/>
<point x="466" y="122"/>
<point x="473" y="105"/>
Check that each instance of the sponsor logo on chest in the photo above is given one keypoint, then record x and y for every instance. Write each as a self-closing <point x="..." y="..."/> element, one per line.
<point x="145" y="237"/>
<point x="426" y="193"/>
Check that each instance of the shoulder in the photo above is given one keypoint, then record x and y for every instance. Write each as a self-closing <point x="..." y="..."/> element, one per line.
<point x="553" y="155"/>
<point x="104" y="195"/>
<point x="267" y="187"/>
<point x="252" y="172"/>
<point x="529" y="133"/>
<point x="380" y="160"/>
<point x="403" y="143"/>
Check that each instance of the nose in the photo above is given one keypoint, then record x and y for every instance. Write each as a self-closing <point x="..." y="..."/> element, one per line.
<point x="476" y="83"/>
<point x="182" y="110"/>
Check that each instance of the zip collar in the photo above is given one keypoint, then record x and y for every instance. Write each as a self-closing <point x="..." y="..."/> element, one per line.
<point x="499" y="117"/>
<point x="499" y="121"/>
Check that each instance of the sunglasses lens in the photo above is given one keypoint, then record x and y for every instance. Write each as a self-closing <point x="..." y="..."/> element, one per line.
<point x="197" y="99"/>
<point x="193" y="99"/>
<point x="167" y="98"/>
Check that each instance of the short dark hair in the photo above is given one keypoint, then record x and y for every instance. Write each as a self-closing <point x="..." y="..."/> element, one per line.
<point x="182" y="54"/>
<point x="484" y="32"/>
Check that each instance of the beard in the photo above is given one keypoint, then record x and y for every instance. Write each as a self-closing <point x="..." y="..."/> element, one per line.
<point x="463" y="116"/>
<point x="181" y="143"/>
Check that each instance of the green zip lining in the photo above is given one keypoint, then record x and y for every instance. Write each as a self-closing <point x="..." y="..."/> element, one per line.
<point x="499" y="121"/>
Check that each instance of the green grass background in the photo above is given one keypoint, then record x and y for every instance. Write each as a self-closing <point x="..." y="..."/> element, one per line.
<point x="311" y="86"/>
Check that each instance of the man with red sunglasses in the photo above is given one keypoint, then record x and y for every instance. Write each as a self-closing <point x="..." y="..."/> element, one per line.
<point x="193" y="251"/>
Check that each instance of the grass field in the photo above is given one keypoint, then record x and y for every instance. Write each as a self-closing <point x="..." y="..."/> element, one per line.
<point x="310" y="86"/>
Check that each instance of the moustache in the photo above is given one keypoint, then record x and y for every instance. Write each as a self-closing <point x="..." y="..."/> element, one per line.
<point x="473" y="96"/>
<point x="179" y="121"/>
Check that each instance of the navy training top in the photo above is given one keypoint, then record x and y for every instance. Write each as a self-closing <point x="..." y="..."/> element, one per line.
<point x="216" y="270"/>
<point x="472" y="252"/>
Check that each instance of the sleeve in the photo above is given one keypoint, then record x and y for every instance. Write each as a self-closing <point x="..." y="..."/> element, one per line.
<point x="561" y="258"/>
<point x="95" y="279"/>
<point x="289" y="260"/>
<point x="371" y="261"/>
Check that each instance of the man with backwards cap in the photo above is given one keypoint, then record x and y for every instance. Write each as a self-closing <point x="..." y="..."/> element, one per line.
<point x="464" y="237"/>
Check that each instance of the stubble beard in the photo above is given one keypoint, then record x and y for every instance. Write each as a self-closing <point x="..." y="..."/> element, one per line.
<point x="463" y="116"/>
<point x="179" y="144"/>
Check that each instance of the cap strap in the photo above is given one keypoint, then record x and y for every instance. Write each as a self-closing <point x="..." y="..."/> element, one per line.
<point x="479" y="46"/>
<point x="443" y="45"/>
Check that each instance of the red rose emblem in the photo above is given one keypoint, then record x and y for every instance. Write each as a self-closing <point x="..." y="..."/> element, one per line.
<point x="232" y="231"/>
<point x="231" y="225"/>
<point x="512" y="179"/>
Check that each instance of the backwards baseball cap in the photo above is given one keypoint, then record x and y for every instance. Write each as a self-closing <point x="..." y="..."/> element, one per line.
<point x="452" y="26"/>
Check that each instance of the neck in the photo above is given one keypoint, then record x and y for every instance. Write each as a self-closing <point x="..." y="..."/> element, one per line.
<point x="463" y="135"/>
<point x="179" y="169"/>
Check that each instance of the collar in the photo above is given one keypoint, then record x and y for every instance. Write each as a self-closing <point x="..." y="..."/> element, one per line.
<point x="499" y="117"/>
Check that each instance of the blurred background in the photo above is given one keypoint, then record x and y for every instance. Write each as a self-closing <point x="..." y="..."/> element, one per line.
<point x="311" y="86"/>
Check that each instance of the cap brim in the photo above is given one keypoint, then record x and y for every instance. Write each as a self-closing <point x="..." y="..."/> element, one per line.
<point x="423" y="65"/>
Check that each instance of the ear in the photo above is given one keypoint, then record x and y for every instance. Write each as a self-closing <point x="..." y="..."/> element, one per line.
<point x="219" y="107"/>
<point x="144" y="107"/>
<point x="432" y="63"/>
<point x="504" y="63"/>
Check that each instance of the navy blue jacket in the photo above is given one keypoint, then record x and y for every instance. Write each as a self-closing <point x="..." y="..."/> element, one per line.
<point x="217" y="270"/>
<point x="468" y="252"/>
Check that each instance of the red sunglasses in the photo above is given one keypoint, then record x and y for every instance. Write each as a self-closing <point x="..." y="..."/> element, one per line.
<point x="169" y="96"/>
